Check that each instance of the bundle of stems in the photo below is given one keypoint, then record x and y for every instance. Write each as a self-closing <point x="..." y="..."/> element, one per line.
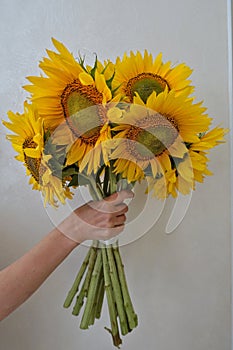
<point x="102" y="272"/>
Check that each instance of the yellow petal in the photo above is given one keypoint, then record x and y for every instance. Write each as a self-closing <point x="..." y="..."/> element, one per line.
<point x="33" y="152"/>
<point x="86" y="79"/>
<point x="115" y="115"/>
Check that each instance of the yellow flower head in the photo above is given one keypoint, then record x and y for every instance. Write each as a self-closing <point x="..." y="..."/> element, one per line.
<point x="161" y="140"/>
<point x="142" y="74"/>
<point x="28" y="141"/>
<point x="69" y="93"/>
<point x="192" y="168"/>
<point x="134" y="117"/>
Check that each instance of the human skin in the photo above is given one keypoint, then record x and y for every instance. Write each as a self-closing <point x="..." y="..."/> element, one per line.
<point x="95" y="220"/>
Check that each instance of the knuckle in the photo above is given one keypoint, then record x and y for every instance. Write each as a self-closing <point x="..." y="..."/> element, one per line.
<point x="125" y="208"/>
<point x="108" y="233"/>
<point x="109" y="220"/>
<point x="124" y="217"/>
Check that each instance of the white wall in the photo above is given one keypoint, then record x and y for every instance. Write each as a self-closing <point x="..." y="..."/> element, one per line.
<point x="180" y="283"/>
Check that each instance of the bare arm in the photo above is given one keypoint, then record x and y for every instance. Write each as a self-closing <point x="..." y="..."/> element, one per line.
<point x="21" y="279"/>
<point x="100" y="220"/>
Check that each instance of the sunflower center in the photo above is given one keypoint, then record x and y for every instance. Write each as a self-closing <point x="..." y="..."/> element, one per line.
<point x="33" y="164"/>
<point x="152" y="135"/>
<point x="83" y="111"/>
<point x="144" y="84"/>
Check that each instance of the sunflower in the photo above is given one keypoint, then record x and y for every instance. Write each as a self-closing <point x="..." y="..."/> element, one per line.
<point x="199" y="150"/>
<point x="28" y="141"/>
<point x="192" y="168"/>
<point x="51" y="186"/>
<point x="90" y="156"/>
<point x="70" y="93"/>
<point x="153" y="138"/>
<point x="143" y="75"/>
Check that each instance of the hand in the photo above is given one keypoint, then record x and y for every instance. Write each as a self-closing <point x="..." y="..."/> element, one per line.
<point x="97" y="220"/>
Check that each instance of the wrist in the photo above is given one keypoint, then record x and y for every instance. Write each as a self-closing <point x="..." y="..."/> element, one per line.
<point x="74" y="228"/>
<point x="64" y="241"/>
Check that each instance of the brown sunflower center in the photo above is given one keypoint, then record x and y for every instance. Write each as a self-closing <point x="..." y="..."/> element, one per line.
<point x="33" y="164"/>
<point x="144" y="84"/>
<point x="83" y="111"/>
<point x="152" y="135"/>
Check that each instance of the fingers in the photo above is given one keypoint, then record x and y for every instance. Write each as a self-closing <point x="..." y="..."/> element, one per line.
<point x="102" y="219"/>
<point x="120" y="220"/>
<point x="114" y="221"/>
<point x="110" y="221"/>
<point x="118" y="197"/>
<point x="121" y="209"/>
<point x="112" y="204"/>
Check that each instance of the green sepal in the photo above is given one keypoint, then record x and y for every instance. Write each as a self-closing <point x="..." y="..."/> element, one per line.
<point x="74" y="181"/>
<point x="201" y="134"/>
<point x="92" y="72"/>
<point x="81" y="61"/>
<point x="188" y="144"/>
<point x="79" y="180"/>
<point x="55" y="167"/>
<point x="69" y="171"/>
<point x="47" y="135"/>
<point x="109" y="82"/>
<point x="148" y="171"/>
<point x="175" y="161"/>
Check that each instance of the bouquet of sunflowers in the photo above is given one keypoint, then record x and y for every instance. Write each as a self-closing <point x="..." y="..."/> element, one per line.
<point x="108" y="126"/>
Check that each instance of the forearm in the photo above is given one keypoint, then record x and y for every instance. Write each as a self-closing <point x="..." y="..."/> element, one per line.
<point x="100" y="220"/>
<point x="22" y="278"/>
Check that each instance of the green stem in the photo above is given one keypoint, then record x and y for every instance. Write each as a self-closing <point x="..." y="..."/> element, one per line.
<point x="106" y="182"/>
<point x="100" y="298"/>
<point x="105" y="273"/>
<point x="114" y="331"/>
<point x="117" y="292"/>
<point x="92" y="291"/>
<point x="75" y="286"/>
<point x="124" y="185"/>
<point x="112" y="180"/>
<point x="97" y="295"/>
<point x="94" y="186"/>
<point x="93" y="193"/>
<point x="97" y="191"/>
<point x="84" y="290"/>
<point x="131" y="315"/>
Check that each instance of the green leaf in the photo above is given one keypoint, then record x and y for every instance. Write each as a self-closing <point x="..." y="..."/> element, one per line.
<point x="83" y="180"/>
<point x="69" y="171"/>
